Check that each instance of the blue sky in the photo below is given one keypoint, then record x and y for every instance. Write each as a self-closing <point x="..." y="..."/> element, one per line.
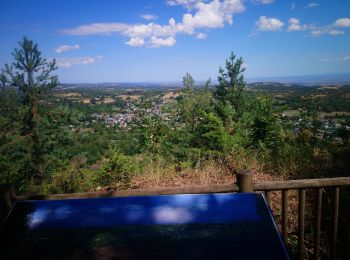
<point x="143" y="40"/>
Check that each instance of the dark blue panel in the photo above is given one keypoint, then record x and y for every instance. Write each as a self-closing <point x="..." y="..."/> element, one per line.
<point x="171" y="226"/>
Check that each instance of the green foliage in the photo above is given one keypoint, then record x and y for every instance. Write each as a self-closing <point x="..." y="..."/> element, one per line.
<point x="117" y="170"/>
<point x="231" y="85"/>
<point x="31" y="73"/>
<point x="193" y="103"/>
<point x="211" y="134"/>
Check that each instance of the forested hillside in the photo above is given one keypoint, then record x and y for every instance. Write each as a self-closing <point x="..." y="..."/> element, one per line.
<point x="58" y="140"/>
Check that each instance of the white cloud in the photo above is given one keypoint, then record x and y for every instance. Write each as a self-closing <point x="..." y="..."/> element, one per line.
<point x="342" y="22"/>
<point x="149" y="17"/>
<point x="186" y="3"/>
<point x="159" y="42"/>
<point x="63" y="48"/>
<point x="335" y="32"/>
<point x="264" y="2"/>
<point x="213" y="14"/>
<point x="327" y="30"/>
<point x="268" y="24"/>
<point x="136" y="41"/>
<point x="294" y="25"/>
<point x="97" y="28"/>
<point x="201" y="36"/>
<point x="64" y="62"/>
<point x="331" y="29"/>
<point x="313" y="5"/>
<point x="202" y="15"/>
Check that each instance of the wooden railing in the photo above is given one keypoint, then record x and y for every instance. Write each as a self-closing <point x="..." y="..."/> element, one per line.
<point x="244" y="184"/>
<point x="301" y="186"/>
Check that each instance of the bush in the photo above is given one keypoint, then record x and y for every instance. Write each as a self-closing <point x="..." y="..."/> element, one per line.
<point x="115" y="173"/>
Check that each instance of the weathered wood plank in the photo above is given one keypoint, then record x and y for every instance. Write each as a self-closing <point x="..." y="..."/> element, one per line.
<point x="301" y="184"/>
<point x="196" y="189"/>
<point x="268" y="197"/>
<point x="245" y="180"/>
<point x="229" y="187"/>
<point x="285" y="215"/>
<point x="318" y="223"/>
<point x="333" y="250"/>
<point x="301" y="224"/>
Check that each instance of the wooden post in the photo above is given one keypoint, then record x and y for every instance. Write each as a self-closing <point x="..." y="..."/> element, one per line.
<point x="245" y="180"/>
<point x="301" y="224"/>
<point x="7" y="198"/>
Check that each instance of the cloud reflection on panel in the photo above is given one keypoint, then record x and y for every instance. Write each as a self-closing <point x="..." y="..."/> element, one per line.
<point x="43" y="216"/>
<point x="178" y="209"/>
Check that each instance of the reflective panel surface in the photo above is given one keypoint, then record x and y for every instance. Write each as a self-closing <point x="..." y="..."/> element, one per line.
<point x="205" y="226"/>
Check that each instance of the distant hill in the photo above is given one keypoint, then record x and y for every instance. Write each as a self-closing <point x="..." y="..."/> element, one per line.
<point x="293" y="81"/>
<point x="307" y="80"/>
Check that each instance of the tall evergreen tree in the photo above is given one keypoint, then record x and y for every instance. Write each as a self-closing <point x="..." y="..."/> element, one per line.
<point x="229" y="93"/>
<point x="32" y="75"/>
<point x="231" y="84"/>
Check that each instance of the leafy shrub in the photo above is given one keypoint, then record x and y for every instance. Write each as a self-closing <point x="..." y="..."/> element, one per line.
<point x="116" y="171"/>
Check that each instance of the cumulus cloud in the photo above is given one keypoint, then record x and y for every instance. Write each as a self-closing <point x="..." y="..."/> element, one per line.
<point x="213" y="14"/>
<point x="332" y="29"/>
<point x="264" y="2"/>
<point x="136" y="41"/>
<point x="201" y="36"/>
<point x="63" y="48"/>
<point x="202" y="15"/>
<point x="342" y="22"/>
<point x="65" y="62"/>
<point x="269" y="24"/>
<point x="313" y="5"/>
<point x="149" y="17"/>
<point x="159" y="42"/>
<point x="294" y="25"/>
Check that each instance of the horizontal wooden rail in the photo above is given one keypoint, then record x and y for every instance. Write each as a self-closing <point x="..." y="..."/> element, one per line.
<point x="301" y="184"/>
<point x="195" y="189"/>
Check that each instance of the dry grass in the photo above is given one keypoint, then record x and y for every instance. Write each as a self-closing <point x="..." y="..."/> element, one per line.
<point x="156" y="175"/>
<point x="170" y="95"/>
<point x="67" y="95"/>
<point x="291" y="112"/>
<point x="329" y="87"/>
<point x="125" y="97"/>
<point x="108" y="100"/>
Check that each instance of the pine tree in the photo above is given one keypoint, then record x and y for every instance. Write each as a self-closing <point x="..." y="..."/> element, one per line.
<point x="31" y="74"/>
<point x="231" y="84"/>
<point x="229" y="93"/>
